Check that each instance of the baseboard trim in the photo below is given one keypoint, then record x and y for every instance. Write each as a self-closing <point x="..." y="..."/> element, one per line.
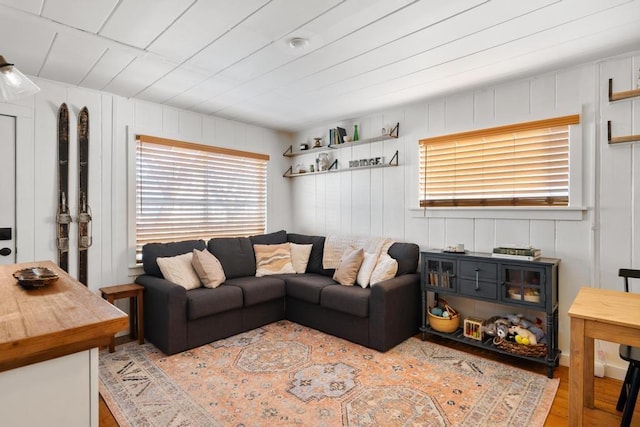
<point x="601" y="369"/>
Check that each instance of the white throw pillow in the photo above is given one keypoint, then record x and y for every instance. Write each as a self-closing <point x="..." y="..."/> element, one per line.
<point x="367" y="267"/>
<point x="348" y="267"/>
<point x="273" y="259"/>
<point x="300" y="256"/>
<point x="208" y="268"/>
<point x="178" y="270"/>
<point x="386" y="268"/>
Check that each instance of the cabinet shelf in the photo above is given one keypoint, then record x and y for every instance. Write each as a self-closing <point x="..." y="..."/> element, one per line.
<point x="617" y="96"/>
<point x="481" y="277"/>
<point x="334" y="168"/>
<point x="393" y="134"/>
<point x="487" y="344"/>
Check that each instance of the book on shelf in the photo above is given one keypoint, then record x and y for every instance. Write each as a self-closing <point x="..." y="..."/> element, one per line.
<point x="517" y="250"/>
<point x="340" y="134"/>
<point x="520" y="257"/>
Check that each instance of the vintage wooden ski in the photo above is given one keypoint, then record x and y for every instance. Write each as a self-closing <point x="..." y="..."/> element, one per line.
<point x="84" y="211"/>
<point x="63" y="216"/>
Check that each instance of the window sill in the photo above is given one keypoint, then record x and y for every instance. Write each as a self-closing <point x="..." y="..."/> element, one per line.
<point x="503" y="212"/>
<point x="135" y="270"/>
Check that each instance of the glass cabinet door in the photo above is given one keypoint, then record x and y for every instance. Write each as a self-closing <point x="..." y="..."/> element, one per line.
<point x="523" y="285"/>
<point x="441" y="274"/>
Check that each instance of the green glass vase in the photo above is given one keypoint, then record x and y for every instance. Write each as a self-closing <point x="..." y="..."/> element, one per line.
<point x="355" y="133"/>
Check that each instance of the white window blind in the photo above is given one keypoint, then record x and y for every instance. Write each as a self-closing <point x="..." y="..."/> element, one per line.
<point x="190" y="191"/>
<point x="525" y="164"/>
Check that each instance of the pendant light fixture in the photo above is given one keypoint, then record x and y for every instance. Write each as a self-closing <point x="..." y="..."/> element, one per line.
<point x="14" y="84"/>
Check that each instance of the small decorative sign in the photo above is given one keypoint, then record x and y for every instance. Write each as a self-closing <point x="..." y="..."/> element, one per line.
<point x="374" y="161"/>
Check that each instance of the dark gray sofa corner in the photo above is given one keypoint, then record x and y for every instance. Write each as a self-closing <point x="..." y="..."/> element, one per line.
<point x="378" y="317"/>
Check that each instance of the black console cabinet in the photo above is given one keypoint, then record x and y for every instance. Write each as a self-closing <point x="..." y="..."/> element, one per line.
<point x="517" y="284"/>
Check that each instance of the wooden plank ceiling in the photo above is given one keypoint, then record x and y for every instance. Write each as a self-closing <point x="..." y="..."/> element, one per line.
<point x="232" y="58"/>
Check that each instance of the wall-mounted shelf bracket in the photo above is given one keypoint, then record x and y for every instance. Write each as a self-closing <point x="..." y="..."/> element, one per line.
<point x="617" y="96"/>
<point x="619" y="139"/>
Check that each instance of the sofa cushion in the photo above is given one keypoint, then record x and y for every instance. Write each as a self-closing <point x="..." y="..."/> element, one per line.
<point x="235" y="254"/>
<point x="151" y="251"/>
<point x="315" y="258"/>
<point x="274" y="238"/>
<point x="348" y="267"/>
<point x="256" y="290"/>
<point x="273" y="259"/>
<point x="407" y="255"/>
<point x="178" y="269"/>
<point x="204" y="302"/>
<point x="307" y="287"/>
<point x="386" y="269"/>
<point x="300" y="256"/>
<point x="352" y="300"/>
<point x="208" y="268"/>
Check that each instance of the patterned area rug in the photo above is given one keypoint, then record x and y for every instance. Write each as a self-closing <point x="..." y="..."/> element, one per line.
<point x="288" y="374"/>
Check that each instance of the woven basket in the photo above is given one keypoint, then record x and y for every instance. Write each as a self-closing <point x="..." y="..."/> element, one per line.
<point x="538" y="350"/>
<point x="441" y="324"/>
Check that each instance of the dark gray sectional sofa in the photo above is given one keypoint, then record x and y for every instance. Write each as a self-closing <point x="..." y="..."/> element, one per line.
<point x="379" y="317"/>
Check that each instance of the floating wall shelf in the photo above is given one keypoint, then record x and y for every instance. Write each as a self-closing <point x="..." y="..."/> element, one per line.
<point x="619" y="139"/>
<point x="392" y="135"/>
<point x="617" y="96"/>
<point x="334" y="168"/>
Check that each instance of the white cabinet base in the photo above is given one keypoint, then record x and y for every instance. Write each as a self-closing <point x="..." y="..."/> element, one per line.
<point x="58" y="392"/>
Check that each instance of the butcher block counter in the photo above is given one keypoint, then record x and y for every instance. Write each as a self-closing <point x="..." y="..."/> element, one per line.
<point x="61" y="318"/>
<point x="49" y="340"/>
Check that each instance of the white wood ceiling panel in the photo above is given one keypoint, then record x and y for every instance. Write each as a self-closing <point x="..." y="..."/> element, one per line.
<point x="30" y="41"/>
<point x="416" y="43"/>
<point x="325" y="29"/>
<point x="488" y="66"/>
<point x="138" y="74"/>
<point x="203" y="91"/>
<point x="108" y="66"/>
<point x="70" y="59"/>
<point x="375" y="34"/>
<point x="270" y="23"/>
<point x="173" y="84"/>
<point x="31" y="6"/>
<point x="139" y="22"/>
<point x="413" y="18"/>
<point x="229" y="57"/>
<point x="546" y="18"/>
<point x="82" y="14"/>
<point x="202" y="24"/>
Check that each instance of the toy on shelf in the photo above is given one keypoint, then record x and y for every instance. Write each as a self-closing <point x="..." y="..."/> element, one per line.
<point x="473" y="328"/>
<point x="515" y="334"/>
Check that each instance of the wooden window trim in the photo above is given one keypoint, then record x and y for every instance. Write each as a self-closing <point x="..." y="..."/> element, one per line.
<point x="201" y="147"/>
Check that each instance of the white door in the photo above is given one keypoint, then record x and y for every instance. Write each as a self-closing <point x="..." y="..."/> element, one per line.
<point x="7" y="190"/>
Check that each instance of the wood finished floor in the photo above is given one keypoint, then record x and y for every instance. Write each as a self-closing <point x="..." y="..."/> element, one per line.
<point x="606" y="392"/>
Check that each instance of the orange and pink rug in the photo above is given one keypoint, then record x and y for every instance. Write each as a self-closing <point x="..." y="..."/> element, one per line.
<point x="287" y="374"/>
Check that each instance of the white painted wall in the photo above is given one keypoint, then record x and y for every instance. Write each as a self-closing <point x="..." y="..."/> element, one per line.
<point x="384" y="201"/>
<point x="113" y="120"/>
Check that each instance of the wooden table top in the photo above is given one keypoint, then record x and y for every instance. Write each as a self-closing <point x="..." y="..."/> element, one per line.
<point x="608" y="306"/>
<point x="61" y="318"/>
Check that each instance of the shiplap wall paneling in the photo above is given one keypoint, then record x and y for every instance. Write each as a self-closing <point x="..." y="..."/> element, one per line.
<point x="616" y="165"/>
<point x="105" y="242"/>
<point x="124" y="113"/>
<point x="25" y="173"/>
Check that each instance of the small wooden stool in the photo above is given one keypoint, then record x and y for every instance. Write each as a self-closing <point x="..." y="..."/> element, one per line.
<point x="136" y="315"/>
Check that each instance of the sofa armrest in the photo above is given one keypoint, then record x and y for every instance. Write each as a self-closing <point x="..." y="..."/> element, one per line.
<point x="394" y="312"/>
<point x="165" y="313"/>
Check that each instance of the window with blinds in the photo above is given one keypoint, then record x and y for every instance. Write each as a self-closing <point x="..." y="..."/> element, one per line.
<point x="525" y="164"/>
<point x="190" y="191"/>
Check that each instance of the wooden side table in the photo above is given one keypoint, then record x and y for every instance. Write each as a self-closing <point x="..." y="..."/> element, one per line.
<point x="136" y="307"/>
